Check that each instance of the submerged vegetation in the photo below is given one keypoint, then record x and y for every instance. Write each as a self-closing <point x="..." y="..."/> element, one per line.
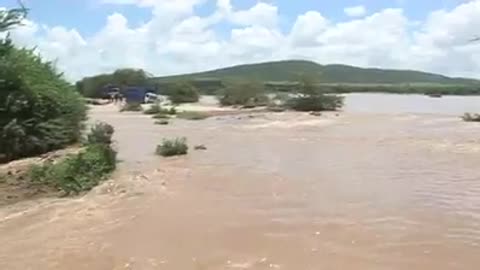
<point x="468" y="117"/>
<point x="39" y="110"/>
<point x="175" y="147"/>
<point x="193" y="115"/>
<point x="311" y="98"/>
<point x="162" y="122"/>
<point x="131" y="107"/>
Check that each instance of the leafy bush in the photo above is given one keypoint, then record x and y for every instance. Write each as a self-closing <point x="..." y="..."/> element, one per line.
<point x="311" y="98"/>
<point x="95" y="87"/>
<point x="77" y="173"/>
<point x="82" y="171"/>
<point x="183" y="92"/>
<point x="39" y="110"/>
<point x="162" y="122"/>
<point x="316" y="103"/>
<point x="156" y="109"/>
<point x="468" y="117"/>
<point x="247" y="94"/>
<point x="100" y="133"/>
<point x="132" y="107"/>
<point x="174" y="147"/>
<point x="193" y="115"/>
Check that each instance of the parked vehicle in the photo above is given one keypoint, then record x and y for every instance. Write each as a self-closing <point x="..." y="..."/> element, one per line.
<point x="151" y="98"/>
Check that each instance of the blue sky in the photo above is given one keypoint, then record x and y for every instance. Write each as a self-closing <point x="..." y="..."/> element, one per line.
<point x="88" y="16"/>
<point x="86" y="37"/>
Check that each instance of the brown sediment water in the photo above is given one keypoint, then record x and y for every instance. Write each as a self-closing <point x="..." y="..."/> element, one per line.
<point x="272" y="191"/>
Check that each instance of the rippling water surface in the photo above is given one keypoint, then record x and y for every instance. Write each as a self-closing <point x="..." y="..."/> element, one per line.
<point x="380" y="186"/>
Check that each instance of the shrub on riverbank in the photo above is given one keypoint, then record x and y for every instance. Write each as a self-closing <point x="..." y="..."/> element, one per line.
<point x="175" y="147"/>
<point x="468" y="117"/>
<point x="100" y="133"/>
<point x="183" y="92"/>
<point x="39" y="110"/>
<point x="83" y="171"/>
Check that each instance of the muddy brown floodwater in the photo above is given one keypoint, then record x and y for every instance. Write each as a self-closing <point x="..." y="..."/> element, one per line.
<point x="272" y="191"/>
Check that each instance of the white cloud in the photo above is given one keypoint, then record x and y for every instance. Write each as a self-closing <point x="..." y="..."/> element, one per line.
<point x="176" y="40"/>
<point x="355" y="11"/>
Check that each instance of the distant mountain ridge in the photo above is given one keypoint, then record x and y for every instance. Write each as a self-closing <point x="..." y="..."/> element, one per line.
<point x="291" y="70"/>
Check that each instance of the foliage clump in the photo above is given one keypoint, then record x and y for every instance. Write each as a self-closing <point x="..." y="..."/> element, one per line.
<point x="311" y="98"/>
<point x="175" y="147"/>
<point x="39" y="110"/>
<point x="246" y="94"/>
<point x="84" y="170"/>
<point x="468" y="117"/>
<point x="183" y="92"/>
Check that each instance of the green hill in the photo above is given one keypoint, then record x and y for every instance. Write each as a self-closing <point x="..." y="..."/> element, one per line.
<point x="291" y="70"/>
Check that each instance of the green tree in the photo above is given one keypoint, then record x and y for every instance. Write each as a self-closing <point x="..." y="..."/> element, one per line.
<point x="39" y="110"/>
<point x="183" y="92"/>
<point x="93" y="87"/>
<point x="11" y="18"/>
<point x="310" y="97"/>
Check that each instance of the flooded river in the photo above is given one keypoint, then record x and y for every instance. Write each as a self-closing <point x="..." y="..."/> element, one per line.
<point x="379" y="186"/>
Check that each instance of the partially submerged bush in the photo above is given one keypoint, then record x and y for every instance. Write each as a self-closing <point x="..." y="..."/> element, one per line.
<point x="39" y="110"/>
<point x="247" y="94"/>
<point x="174" y="147"/>
<point x="153" y="109"/>
<point x="100" y="133"/>
<point x="183" y="92"/>
<point x="311" y="98"/>
<point x="131" y="107"/>
<point x="161" y="116"/>
<point x="318" y="102"/>
<point x="193" y="115"/>
<point x="468" y="117"/>
<point x="162" y="122"/>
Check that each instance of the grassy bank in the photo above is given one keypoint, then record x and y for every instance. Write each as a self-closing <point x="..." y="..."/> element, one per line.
<point x="61" y="173"/>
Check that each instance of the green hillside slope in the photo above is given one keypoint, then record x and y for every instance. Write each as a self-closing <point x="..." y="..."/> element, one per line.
<point x="292" y="70"/>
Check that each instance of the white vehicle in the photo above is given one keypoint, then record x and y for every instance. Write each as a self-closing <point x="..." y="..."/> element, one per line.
<point x="151" y="98"/>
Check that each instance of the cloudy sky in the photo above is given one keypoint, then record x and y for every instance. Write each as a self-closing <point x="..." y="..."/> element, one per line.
<point x="86" y="37"/>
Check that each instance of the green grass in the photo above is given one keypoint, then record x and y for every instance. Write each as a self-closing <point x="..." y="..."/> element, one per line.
<point x="175" y="147"/>
<point x="82" y="171"/>
<point x="77" y="173"/>
<point x="193" y="115"/>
